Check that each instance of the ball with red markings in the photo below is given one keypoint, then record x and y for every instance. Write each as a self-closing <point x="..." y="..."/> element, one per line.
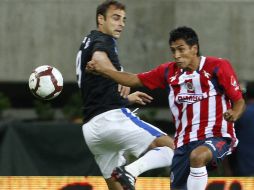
<point x="46" y="82"/>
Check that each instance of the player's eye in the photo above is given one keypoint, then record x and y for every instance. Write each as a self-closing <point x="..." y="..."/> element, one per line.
<point x="181" y="50"/>
<point x="116" y="17"/>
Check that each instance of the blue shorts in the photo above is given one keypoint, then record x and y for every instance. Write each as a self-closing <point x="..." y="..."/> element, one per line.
<point x="180" y="168"/>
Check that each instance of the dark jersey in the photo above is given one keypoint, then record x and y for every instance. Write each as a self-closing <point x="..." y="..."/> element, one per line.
<point x="99" y="94"/>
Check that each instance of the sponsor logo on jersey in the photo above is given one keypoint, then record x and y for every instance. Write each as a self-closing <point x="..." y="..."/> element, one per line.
<point x="189" y="97"/>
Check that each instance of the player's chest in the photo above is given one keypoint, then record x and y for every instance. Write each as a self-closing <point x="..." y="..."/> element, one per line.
<point x="191" y="81"/>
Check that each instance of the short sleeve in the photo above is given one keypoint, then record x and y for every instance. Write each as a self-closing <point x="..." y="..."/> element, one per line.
<point x="228" y="80"/>
<point x="155" y="78"/>
<point x="104" y="44"/>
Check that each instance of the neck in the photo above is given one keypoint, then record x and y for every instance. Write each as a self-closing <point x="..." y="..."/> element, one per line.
<point x="196" y="63"/>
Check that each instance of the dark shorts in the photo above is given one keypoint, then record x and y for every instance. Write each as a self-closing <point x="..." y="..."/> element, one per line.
<point x="180" y="168"/>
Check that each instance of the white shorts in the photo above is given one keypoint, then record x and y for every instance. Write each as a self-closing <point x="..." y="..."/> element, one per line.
<point x="115" y="132"/>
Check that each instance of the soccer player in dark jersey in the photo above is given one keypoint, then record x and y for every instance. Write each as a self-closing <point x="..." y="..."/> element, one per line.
<point x="110" y="129"/>
<point x="205" y="100"/>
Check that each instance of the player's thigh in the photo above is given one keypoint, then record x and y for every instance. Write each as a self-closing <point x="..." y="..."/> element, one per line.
<point x="140" y="134"/>
<point x="107" y="132"/>
<point x="107" y="154"/>
<point x="163" y="140"/>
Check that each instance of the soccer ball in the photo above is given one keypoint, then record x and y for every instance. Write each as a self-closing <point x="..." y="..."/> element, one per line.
<point x="46" y="82"/>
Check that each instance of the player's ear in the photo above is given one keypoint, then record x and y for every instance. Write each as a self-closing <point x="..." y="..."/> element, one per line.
<point x="100" y="19"/>
<point x="195" y="49"/>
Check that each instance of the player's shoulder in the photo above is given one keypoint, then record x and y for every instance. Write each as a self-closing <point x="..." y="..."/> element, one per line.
<point x="169" y="65"/>
<point x="216" y="64"/>
<point x="98" y="36"/>
<point x="165" y="66"/>
<point x="216" y="60"/>
<point x="172" y="67"/>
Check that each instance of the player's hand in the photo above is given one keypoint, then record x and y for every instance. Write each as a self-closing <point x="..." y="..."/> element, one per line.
<point x="99" y="65"/>
<point x="91" y="66"/>
<point x="124" y="90"/>
<point x="139" y="98"/>
<point x="230" y="116"/>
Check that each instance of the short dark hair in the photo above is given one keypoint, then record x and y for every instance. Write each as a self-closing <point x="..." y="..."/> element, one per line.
<point x="103" y="7"/>
<point x="185" y="33"/>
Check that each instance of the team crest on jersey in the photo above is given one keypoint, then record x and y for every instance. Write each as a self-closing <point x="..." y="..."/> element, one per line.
<point x="189" y="86"/>
<point x="189" y="97"/>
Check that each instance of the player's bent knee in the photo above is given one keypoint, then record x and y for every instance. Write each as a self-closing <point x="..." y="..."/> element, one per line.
<point x="200" y="156"/>
<point x="162" y="141"/>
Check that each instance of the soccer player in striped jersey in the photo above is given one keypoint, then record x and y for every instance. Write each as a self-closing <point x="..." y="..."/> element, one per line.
<point x="205" y="100"/>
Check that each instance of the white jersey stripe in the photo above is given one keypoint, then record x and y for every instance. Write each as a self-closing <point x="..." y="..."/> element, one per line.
<point x="211" y="117"/>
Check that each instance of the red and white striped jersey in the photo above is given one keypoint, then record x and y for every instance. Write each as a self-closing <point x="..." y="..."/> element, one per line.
<point x="198" y="99"/>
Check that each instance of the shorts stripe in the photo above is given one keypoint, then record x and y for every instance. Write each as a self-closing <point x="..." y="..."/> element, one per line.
<point x="152" y="130"/>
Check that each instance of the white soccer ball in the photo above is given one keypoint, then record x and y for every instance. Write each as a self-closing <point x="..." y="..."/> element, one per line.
<point x="46" y="82"/>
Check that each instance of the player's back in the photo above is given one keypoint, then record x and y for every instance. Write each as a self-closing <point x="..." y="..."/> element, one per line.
<point x="99" y="94"/>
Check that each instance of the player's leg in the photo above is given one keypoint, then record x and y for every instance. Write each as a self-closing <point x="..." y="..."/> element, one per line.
<point x="198" y="177"/>
<point x="159" y="154"/>
<point x="101" y="136"/>
<point x="107" y="162"/>
<point x="157" y="157"/>
<point x="212" y="151"/>
<point x="161" y="141"/>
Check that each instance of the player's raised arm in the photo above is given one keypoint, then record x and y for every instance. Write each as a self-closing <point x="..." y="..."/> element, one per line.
<point x="101" y="65"/>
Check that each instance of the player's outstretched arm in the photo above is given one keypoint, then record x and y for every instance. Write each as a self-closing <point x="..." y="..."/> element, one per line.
<point x="101" y="64"/>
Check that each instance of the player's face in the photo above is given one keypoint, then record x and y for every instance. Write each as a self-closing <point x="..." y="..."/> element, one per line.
<point x="185" y="56"/>
<point x="114" y="22"/>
